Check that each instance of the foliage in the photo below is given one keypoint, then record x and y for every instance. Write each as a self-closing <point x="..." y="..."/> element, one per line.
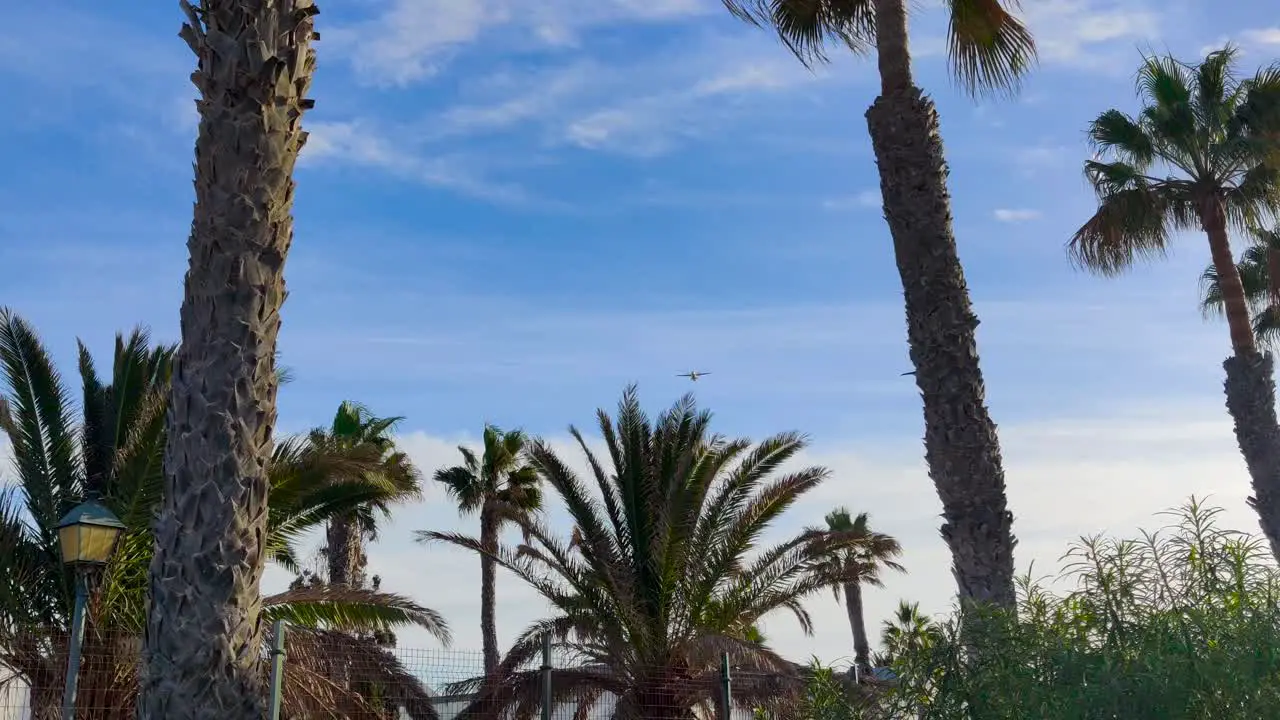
<point x="1261" y="290"/>
<point x="1202" y="134"/>
<point x="116" y="449"/>
<point x="1181" y="623"/>
<point x="987" y="47"/>
<point x="663" y="572"/>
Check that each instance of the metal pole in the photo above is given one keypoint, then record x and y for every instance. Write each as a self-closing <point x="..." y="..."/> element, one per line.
<point x="546" y="677"/>
<point x="726" y="688"/>
<point x="73" y="649"/>
<point x="277" y="669"/>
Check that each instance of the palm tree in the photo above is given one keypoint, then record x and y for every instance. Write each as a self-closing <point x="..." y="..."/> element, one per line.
<point x="1200" y="154"/>
<point x="668" y="574"/>
<point x="254" y="68"/>
<point x="501" y="488"/>
<point x="1259" y="270"/>
<point x="908" y="633"/>
<point x="355" y="426"/>
<point x="115" y="451"/>
<point x="861" y="564"/>
<point x="989" y="50"/>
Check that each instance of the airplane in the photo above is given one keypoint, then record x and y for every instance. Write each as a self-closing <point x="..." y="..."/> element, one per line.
<point x="693" y="376"/>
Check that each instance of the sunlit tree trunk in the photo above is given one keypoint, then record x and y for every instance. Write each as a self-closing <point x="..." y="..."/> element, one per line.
<point x="203" y="636"/>
<point x="1250" y="384"/>
<point x="962" y="449"/>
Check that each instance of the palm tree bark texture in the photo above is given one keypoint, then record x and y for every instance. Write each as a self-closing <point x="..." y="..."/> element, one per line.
<point x="961" y="445"/>
<point x="203" y="634"/>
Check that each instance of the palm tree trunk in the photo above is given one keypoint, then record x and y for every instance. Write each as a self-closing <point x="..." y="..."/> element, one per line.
<point x="858" y="623"/>
<point x="488" y="590"/>
<point x="1250" y="385"/>
<point x="962" y="448"/>
<point x="344" y="551"/>
<point x="203" y="634"/>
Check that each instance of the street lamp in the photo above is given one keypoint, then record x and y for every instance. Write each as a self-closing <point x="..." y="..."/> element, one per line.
<point x="87" y="536"/>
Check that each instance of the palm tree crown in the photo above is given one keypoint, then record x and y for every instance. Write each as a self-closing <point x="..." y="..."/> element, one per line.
<point x="988" y="49"/>
<point x="1199" y="155"/>
<point x="356" y="430"/>
<point x="499" y="475"/>
<point x="663" y="578"/>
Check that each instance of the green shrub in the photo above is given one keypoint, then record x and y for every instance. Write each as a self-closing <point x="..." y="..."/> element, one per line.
<point x="1181" y="624"/>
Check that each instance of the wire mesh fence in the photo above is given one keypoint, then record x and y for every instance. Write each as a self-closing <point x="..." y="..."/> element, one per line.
<point x="323" y="675"/>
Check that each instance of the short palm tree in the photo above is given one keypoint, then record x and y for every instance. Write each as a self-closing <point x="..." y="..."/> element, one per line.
<point x="114" y="450"/>
<point x="355" y="428"/>
<point x="254" y="65"/>
<point x="669" y="572"/>
<point x="907" y="633"/>
<point x="861" y="564"/>
<point x="1201" y="154"/>
<point x="1259" y="270"/>
<point x="989" y="50"/>
<point x="500" y="487"/>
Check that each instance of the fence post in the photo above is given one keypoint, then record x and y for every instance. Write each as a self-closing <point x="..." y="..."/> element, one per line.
<point x="547" y="702"/>
<point x="277" y="669"/>
<point x="726" y="688"/>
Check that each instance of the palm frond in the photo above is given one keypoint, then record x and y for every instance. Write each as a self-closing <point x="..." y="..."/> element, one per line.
<point x="989" y="50"/>
<point x="38" y="420"/>
<point x="352" y="609"/>
<point x="805" y="26"/>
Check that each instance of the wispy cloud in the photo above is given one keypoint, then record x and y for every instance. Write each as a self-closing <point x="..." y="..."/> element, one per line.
<point x="356" y="143"/>
<point x="862" y="200"/>
<point x="1015" y="215"/>
<point x="1094" y="35"/>
<point x="1262" y="36"/>
<point x="410" y="40"/>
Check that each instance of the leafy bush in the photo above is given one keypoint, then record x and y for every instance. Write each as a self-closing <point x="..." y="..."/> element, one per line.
<point x="1179" y="624"/>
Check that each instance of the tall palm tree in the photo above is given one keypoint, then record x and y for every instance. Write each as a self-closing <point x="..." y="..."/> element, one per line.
<point x="114" y="449"/>
<point x="989" y="50"/>
<point x="1201" y="154"/>
<point x="1259" y="270"/>
<point x="354" y="426"/>
<point x="501" y="488"/>
<point x="254" y="68"/>
<point x="668" y="573"/>
<point x="861" y="564"/>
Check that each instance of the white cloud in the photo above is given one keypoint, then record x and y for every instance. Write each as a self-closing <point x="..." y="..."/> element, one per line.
<point x="1066" y="478"/>
<point x="864" y="199"/>
<point x="1096" y="35"/>
<point x="360" y="144"/>
<point x="1262" y="36"/>
<point x="1015" y="215"/>
<point x="410" y="40"/>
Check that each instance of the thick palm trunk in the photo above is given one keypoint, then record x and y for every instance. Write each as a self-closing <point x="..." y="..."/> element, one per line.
<point x="1250" y="384"/>
<point x="344" y="551"/>
<point x="962" y="448"/>
<point x="858" y="624"/>
<point x="203" y="635"/>
<point x="488" y="590"/>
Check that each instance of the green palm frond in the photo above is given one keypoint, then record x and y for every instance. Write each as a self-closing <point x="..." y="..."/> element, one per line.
<point x="1202" y="142"/>
<point x="663" y="568"/>
<point x="37" y="417"/>
<point x="989" y="50"/>
<point x="352" y="610"/>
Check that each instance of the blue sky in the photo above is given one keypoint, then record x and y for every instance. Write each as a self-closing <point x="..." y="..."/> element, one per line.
<point x="508" y="210"/>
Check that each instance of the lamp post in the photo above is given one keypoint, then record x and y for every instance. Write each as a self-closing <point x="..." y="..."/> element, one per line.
<point x="87" y="536"/>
